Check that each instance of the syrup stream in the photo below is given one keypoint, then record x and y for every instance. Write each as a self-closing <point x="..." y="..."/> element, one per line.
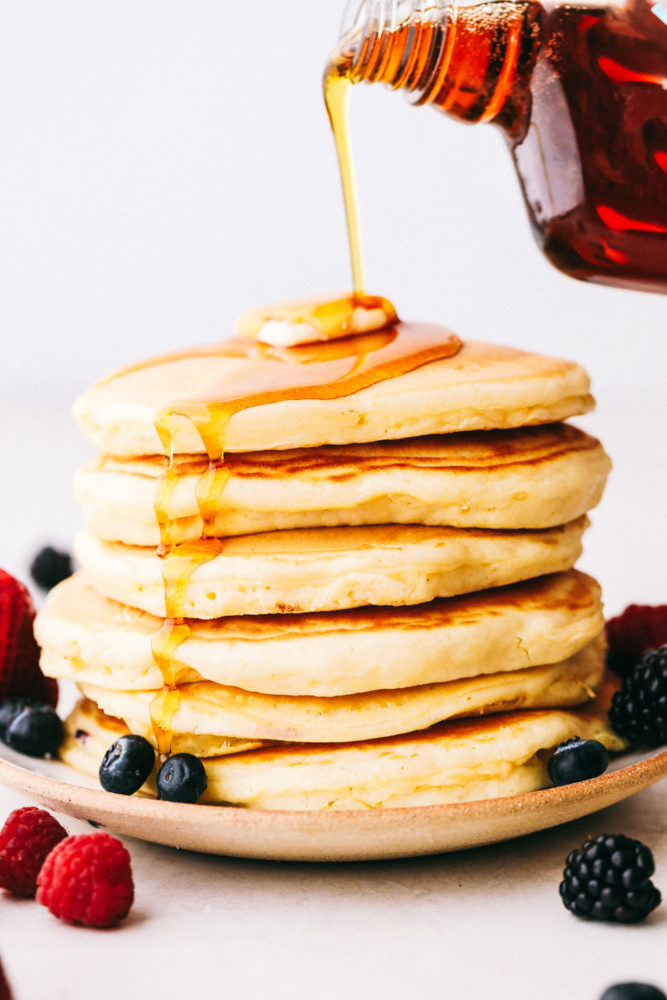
<point x="340" y="366"/>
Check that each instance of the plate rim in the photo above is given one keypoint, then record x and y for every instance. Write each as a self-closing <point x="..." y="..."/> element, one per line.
<point x="324" y="835"/>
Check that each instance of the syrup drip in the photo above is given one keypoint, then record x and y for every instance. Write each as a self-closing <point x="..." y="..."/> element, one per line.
<point x="328" y="370"/>
<point x="163" y="707"/>
<point x="331" y="370"/>
<point x="337" y="98"/>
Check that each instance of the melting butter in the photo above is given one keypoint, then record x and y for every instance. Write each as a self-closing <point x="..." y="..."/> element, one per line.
<point x="310" y="321"/>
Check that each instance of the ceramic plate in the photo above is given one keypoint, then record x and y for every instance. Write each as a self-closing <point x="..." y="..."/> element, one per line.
<point x="324" y="836"/>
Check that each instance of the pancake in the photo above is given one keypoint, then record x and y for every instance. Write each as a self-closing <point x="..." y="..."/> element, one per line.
<point x="323" y="569"/>
<point x="483" y="386"/>
<point x="454" y="761"/>
<point x="202" y="713"/>
<point x="91" y="640"/>
<point x="533" y="477"/>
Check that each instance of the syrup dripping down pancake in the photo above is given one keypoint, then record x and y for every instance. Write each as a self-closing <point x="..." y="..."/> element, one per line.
<point x="323" y="569"/>
<point x="92" y="640"/>
<point x="532" y="477"/>
<point x="204" y="713"/>
<point x="483" y="386"/>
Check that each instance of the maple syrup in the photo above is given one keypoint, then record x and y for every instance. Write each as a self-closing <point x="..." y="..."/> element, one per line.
<point x="336" y="367"/>
<point x="580" y="92"/>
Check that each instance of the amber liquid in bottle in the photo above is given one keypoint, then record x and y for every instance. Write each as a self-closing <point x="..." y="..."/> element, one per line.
<point x="581" y="95"/>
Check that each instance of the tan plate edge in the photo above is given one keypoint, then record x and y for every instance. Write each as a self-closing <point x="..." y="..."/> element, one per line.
<point x="335" y="835"/>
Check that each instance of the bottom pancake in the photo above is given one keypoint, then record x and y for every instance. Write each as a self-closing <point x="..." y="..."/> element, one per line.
<point x="454" y="761"/>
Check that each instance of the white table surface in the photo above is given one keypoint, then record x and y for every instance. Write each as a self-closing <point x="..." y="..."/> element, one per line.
<point x="481" y="924"/>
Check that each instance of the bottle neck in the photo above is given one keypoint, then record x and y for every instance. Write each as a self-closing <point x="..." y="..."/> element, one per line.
<point x="463" y="58"/>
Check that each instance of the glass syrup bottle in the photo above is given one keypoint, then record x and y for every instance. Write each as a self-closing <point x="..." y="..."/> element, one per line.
<point x="580" y="92"/>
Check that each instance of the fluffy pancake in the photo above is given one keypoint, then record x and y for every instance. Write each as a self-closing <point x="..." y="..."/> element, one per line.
<point x="92" y="640"/>
<point x="483" y="386"/>
<point x="199" y="714"/>
<point x="453" y="761"/>
<point x="532" y="477"/>
<point x="323" y="569"/>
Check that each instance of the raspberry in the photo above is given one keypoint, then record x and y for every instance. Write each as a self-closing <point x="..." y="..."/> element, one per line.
<point x="640" y="627"/>
<point x="19" y="653"/>
<point x="639" y="710"/>
<point x="609" y="878"/>
<point x="25" y="840"/>
<point x="87" y="880"/>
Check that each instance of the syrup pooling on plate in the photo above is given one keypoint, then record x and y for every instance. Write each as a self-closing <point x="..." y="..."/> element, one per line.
<point x="338" y="366"/>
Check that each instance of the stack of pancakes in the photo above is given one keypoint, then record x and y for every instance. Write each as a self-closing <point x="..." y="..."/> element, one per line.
<point x="370" y="601"/>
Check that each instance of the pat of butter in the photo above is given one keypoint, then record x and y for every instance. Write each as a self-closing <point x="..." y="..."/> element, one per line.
<point x="310" y="321"/>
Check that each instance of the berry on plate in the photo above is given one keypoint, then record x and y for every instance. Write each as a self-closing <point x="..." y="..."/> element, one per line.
<point x="609" y="878"/>
<point x="87" y="880"/>
<point x="577" y="760"/>
<point x="639" y="627"/>
<point x="27" y="837"/>
<point x="36" y="730"/>
<point x="126" y="764"/>
<point x="20" y="673"/>
<point x="639" y="709"/>
<point x="13" y="706"/>
<point x="182" y="778"/>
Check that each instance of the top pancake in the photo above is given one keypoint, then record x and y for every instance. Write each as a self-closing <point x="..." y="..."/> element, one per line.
<point x="484" y="386"/>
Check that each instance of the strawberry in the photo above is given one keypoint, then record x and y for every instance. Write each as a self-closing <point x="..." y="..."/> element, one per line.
<point x="20" y="673"/>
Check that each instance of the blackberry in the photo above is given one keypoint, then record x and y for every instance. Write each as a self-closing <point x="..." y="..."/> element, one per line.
<point x="50" y="566"/>
<point x="36" y="731"/>
<point x="577" y="760"/>
<point x="608" y="878"/>
<point x="126" y="764"/>
<point x="633" y="991"/>
<point x="182" y="778"/>
<point x="639" y="709"/>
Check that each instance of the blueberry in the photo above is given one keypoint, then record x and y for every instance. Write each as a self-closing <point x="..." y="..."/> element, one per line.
<point x="182" y="778"/>
<point x="11" y="707"/>
<point x="633" y="991"/>
<point x="50" y="566"/>
<point x="126" y="764"/>
<point x="577" y="760"/>
<point x="36" y="731"/>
